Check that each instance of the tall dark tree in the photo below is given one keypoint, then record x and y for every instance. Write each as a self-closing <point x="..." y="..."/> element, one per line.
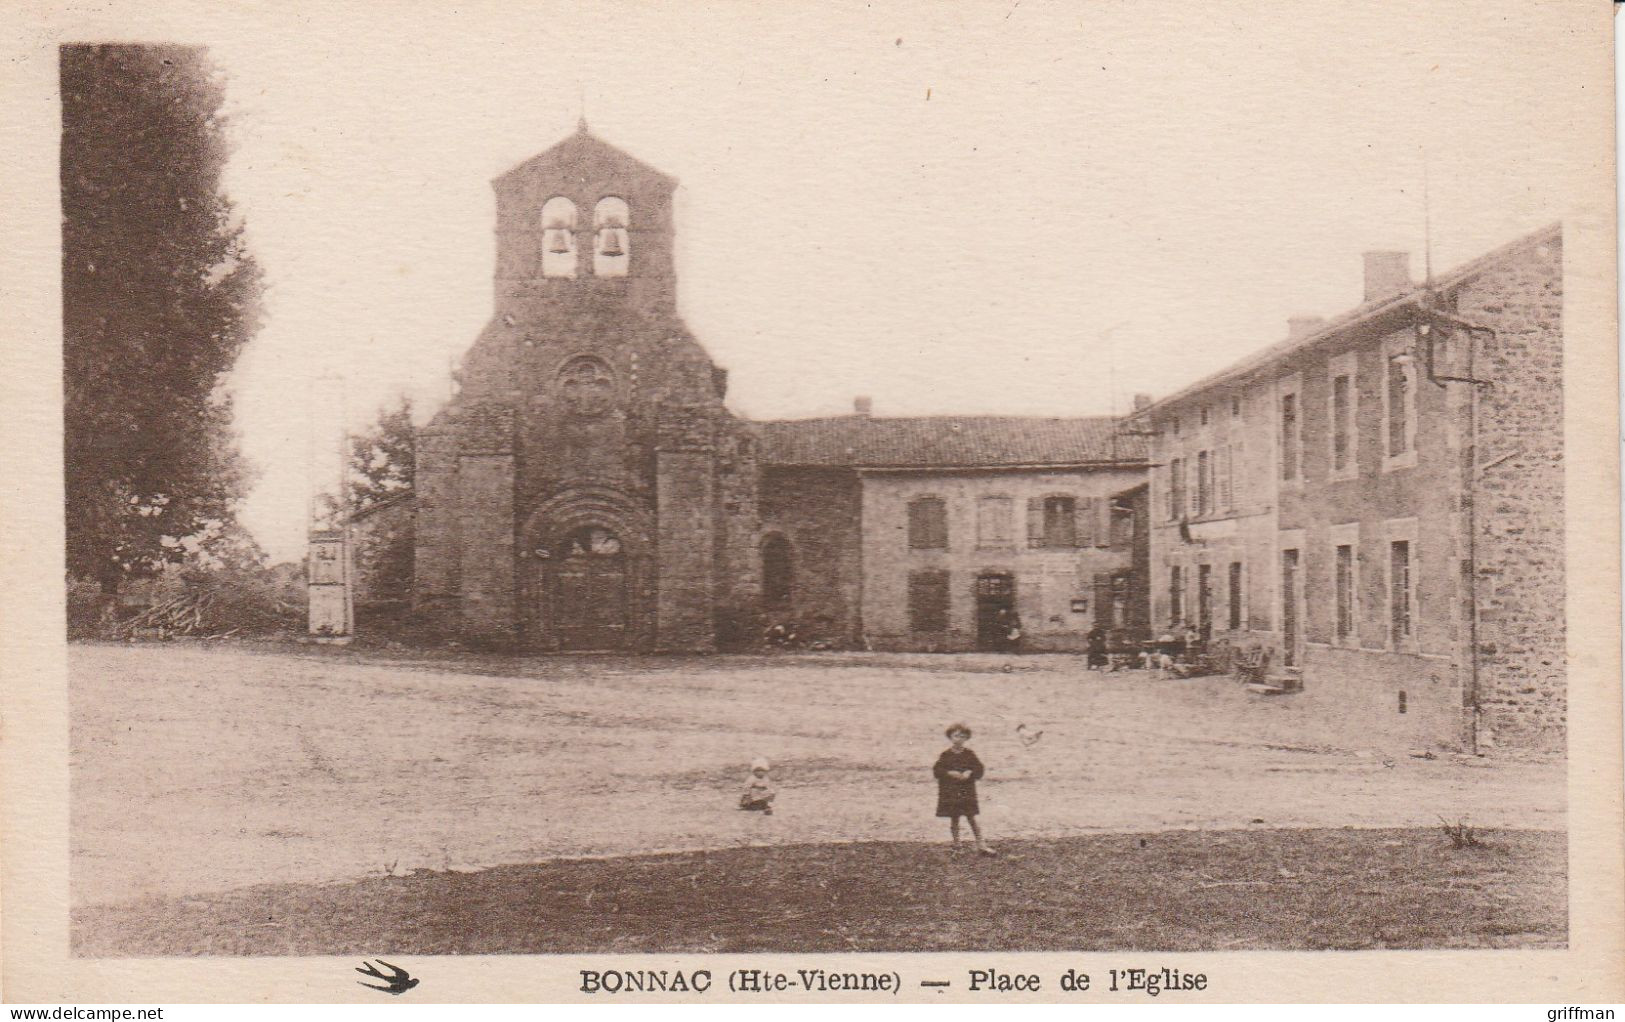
<point x="159" y="296"/>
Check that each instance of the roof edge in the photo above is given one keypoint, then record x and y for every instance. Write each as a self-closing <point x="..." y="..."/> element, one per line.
<point x="1353" y="319"/>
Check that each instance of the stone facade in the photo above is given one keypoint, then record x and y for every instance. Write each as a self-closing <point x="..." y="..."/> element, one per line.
<point x="1393" y="535"/>
<point x="586" y="488"/>
<point x="996" y="525"/>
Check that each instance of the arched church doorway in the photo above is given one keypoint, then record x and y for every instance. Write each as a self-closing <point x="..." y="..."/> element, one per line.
<point x="589" y="590"/>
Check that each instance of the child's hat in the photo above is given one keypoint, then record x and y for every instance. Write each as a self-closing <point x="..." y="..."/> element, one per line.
<point x="759" y="763"/>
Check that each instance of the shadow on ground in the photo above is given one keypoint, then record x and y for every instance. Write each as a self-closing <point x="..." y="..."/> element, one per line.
<point x="1171" y="890"/>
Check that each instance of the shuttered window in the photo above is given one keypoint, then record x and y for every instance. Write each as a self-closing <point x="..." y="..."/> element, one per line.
<point x="927" y="524"/>
<point x="928" y="601"/>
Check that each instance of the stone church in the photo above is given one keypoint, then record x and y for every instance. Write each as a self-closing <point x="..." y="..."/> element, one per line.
<point x="587" y="487"/>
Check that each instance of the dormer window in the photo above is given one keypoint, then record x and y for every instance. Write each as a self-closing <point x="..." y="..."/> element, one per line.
<point x="559" y="237"/>
<point x="612" y="245"/>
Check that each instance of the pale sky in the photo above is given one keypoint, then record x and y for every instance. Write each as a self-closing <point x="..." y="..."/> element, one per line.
<point x="950" y="211"/>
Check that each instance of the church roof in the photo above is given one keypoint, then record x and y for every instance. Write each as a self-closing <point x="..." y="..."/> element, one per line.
<point x="949" y="441"/>
<point x="573" y="150"/>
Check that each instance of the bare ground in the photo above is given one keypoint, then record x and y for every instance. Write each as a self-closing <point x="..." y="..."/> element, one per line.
<point x="202" y="770"/>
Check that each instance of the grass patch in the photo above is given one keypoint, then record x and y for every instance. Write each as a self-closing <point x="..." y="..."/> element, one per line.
<point x="1170" y="890"/>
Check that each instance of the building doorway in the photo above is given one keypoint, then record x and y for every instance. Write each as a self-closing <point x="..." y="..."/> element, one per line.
<point x="589" y="591"/>
<point x="1291" y="596"/>
<point x="995" y="609"/>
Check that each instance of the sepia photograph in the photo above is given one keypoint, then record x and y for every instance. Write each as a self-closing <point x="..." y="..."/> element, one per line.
<point x="834" y="483"/>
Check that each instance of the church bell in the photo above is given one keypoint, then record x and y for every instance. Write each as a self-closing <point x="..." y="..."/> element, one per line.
<point x="612" y="243"/>
<point x="560" y="243"/>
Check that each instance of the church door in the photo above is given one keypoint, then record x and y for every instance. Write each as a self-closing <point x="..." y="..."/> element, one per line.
<point x="589" y="591"/>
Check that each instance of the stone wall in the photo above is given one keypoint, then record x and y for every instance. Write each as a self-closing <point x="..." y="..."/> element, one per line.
<point x="819" y="511"/>
<point x="1521" y="587"/>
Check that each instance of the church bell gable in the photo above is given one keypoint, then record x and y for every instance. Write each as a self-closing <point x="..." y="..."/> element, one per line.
<point x="583" y="217"/>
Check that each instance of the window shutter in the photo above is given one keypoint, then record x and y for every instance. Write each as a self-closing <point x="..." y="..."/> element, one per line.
<point x="1035" y="521"/>
<point x="1103" y="520"/>
<point x="1192" y="491"/>
<point x="1224" y="477"/>
<point x="1083" y="522"/>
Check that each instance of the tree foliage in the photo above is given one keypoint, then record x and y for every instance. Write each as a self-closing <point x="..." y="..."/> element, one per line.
<point x="382" y="463"/>
<point x="381" y="459"/>
<point x="159" y="297"/>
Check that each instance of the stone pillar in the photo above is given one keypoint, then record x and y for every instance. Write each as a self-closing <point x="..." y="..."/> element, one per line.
<point x="485" y="477"/>
<point x="685" y="494"/>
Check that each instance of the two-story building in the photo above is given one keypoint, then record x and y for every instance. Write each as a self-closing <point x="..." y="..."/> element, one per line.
<point x="924" y="533"/>
<point x="1378" y="501"/>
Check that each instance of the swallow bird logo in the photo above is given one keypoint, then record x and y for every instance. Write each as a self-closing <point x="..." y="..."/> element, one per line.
<point x="397" y="980"/>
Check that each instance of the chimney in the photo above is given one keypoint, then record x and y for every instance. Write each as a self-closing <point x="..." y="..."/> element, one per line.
<point x="1386" y="274"/>
<point x="1298" y="327"/>
<point x="1142" y="402"/>
<point x="863" y="405"/>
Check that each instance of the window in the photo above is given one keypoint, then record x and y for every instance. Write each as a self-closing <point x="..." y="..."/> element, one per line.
<point x="1344" y="585"/>
<point x="1204" y="415"/>
<point x="993" y="522"/>
<point x="1176" y="488"/>
<point x="1399" y="408"/>
<point x="1204" y="483"/>
<point x="1226" y="478"/>
<point x="928" y="601"/>
<point x="1176" y="425"/>
<point x="611" y="254"/>
<point x="1401" y="617"/>
<point x="778" y="574"/>
<point x="558" y="237"/>
<point x="1204" y="597"/>
<point x="1342" y="415"/>
<point x="1235" y="406"/>
<point x="1120" y="516"/>
<point x="1289" y="436"/>
<point x="1176" y="595"/>
<point x="1052" y="522"/>
<point x="1235" y="596"/>
<point x="927" y="524"/>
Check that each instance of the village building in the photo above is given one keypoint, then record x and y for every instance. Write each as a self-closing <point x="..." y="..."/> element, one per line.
<point x="1378" y="502"/>
<point x="1374" y="502"/>
<point x="926" y="533"/>
<point x="588" y="488"/>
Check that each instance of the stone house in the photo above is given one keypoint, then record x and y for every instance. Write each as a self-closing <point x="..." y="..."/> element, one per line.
<point x="1378" y="500"/>
<point x="915" y="533"/>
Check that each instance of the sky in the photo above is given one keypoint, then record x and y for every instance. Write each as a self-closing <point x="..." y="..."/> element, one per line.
<point x="1009" y="208"/>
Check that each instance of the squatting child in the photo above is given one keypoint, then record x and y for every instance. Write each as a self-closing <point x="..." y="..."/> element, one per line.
<point x="758" y="794"/>
<point x="957" y="770"/>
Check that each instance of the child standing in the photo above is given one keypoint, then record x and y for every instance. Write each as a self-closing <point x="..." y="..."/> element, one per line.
<point x="758" y="794"/>
<point x="957" y="770"/>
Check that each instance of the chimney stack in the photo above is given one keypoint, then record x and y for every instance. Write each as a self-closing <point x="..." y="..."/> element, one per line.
<point x="1298" y="327"/>
<point x="863" y="405"/>
<point x="1386" y="274"/>
<point x="1142" y="402"/>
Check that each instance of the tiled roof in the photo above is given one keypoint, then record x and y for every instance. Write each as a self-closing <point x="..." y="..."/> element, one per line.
<point x="948" y="441"/>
